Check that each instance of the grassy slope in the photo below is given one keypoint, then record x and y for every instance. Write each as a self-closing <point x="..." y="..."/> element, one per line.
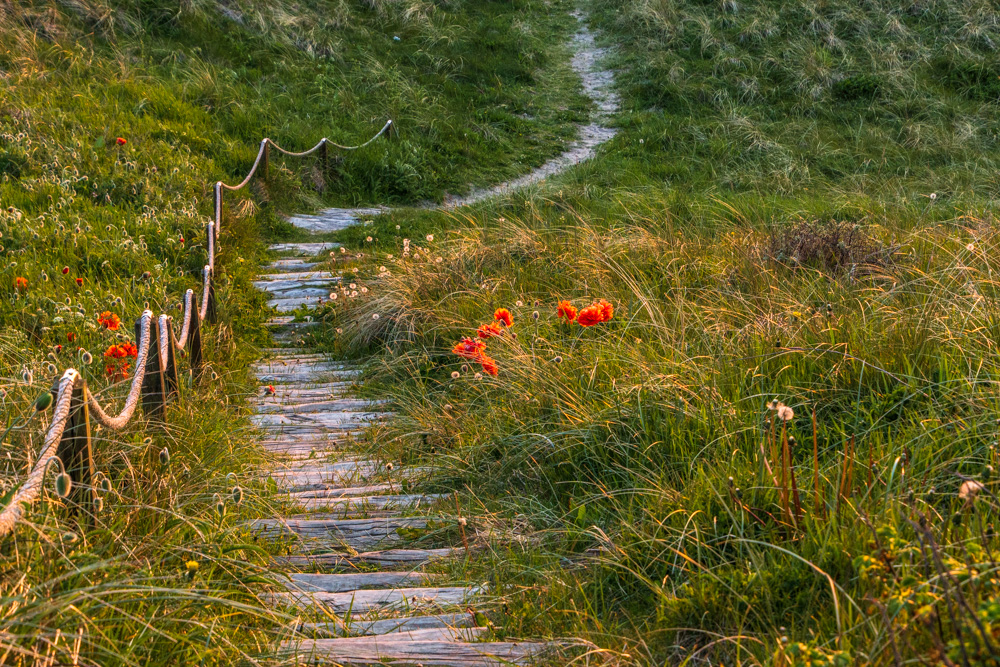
<point x="192" y="91"/>
<point x="746" y="129"/>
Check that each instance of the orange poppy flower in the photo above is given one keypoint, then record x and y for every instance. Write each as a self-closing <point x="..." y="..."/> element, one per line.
<point x="469" y="348"/>
<point x="21" y="283"/>
<point x="567" y="310"/>
<point x="490" y="330"/>
<point x="489" y="365"/>
<point x="590" y="316"/>
<point x="503" y="315"/>
<point x="109" y="320"/>
<point x="79" y="282"/>
<point x="607" y="310"/>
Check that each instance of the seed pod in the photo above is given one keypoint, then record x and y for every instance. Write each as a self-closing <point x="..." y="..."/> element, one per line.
<point x="43" y="401"/>
<point x="231" y="477"/>
<point x="98" y="504"/>
<point x="63" y="485"/>
<point x="164" y="456"/>
<point x="105" y="484"/>
<point x="69" y="537"/>
<point x="237" y="494"/>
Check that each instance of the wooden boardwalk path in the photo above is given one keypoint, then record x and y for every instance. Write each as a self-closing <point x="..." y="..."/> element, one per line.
<point x="361" y="590"/>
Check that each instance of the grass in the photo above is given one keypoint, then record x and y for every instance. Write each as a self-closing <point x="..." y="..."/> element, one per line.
<point x="157" y="575"/>
<point x="797" y="207"/>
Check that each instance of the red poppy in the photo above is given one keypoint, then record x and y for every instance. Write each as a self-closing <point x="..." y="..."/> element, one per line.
<point x="607" y="310"/>
<point x="58" y="349"/>
<point x="70" y="337"/>
<point x="590" y="316"/>
<point x="65" y="270"/>
<point x="79" y="282"/>
<point x="490" y="330"/>
<point x="109" y="320"/>
<point x="182" y="239"/>
<point x="503" y="315"/>
<point x="120" y="141"/>
<point x="469" y="348"/>
<point x="21" y="283"/>
<point x="129" y="349"/>
<point x="489" y="365"/>
<point x="567" y="310"/>
<point x="117" y="368"/>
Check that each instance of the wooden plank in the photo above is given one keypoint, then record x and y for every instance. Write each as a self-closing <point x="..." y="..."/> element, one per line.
<point x="339" y="583"/>
<point x="303" y="249"/>
<point x="343" y="492"/>
<point x="385" y="559"/>
<point x="307" y="404"/>
<point x="358" y="627"/>
<point x="358" y="534"/>
<point x="334" y="219"/>
<point x="336" y="420"/>
<point x="297" y="275"/>
<point x="286" y="265"/>
<point x="365" y="601"/>
<point x="381" y="649"/>
<point x="304" y="375"/>
<point x="362" y="503"/>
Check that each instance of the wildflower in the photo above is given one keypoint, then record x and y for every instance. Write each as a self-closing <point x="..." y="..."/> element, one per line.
<point x="374" y="316"/>
<point x="269" y="390"/>
<point x="192" y="566"/>
<point x="343" y="250"/>
<point x="21" y="283"/>
<point x="503" y="315"/>
<point x="430" y="237"/>
<point x="369" y="239"/>
<point x="969" y="490"/>
<point x="489" y="365"/>
<point x="462" y="521"/>
<point x="590" y="316"/>
<point x="478" y="376"/>
<point x="469" y="348"/>
<point x="109" y="320"/>
<point x="65" y="270"/>
<point x="70" y="337"/>
<point x="785" y="413"/>
<point x="489" y="330"/>
<point x="57" y="349"/>
<point x="567" y="310"/>
<point x="518" y="303"/>
<point x="79" y="282"/>
<point x="364" y="290"/>
<point x="971" y="247"/>
<point x="607" y="310"/>
<point x="933" y="196"/>
<point x="121" y="141"/>
<point x="333" y="296"/>
<point x="455" y="375"/>
<point x="389" y="466"/>
<point x="352" y="286"/>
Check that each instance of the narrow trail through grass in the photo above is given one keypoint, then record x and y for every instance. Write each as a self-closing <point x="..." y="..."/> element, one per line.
<point x="363" y="570"/>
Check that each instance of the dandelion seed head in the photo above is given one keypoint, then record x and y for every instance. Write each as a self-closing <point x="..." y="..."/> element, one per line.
<point x="479" y="376"/>
<point x="375" y="316"/>
<point x="969" y="490"/>
<point x="430" y="237"/>
<point x="455" y="375"/>
<point x="933" y="196"/>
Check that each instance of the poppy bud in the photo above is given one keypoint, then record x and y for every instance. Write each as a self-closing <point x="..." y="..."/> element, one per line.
<point x="63" y="485"/>
<point x="43" y="401"/>
<point x="164" y="456"/>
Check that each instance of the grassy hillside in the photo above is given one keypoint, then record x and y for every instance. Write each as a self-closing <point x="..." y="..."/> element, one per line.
<point x="115" y="118"/>
<point x="781" y="448"/>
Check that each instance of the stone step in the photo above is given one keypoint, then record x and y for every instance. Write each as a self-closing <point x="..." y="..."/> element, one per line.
<point x="352" y="581"/>
<point x="303" y="249"/>
<point x="391" y="599"/>
<point x="358" y="627"/>
<point x="382" y="649"/>
<point x="387" y="559"/>
<point x="288" y="305"/>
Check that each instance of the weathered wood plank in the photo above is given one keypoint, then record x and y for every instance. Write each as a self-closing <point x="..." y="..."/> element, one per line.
<point x="358" y="627"/>
<point x="379" y="649"/>
<point x="352" y="581"/>
<point x="303" y="249"/>
<point x="297" y="276"/>
<point x="307" y="404"/>
<point x="333" y="219"/>
<point x="364" y="601"/>
<point x="358" y="534"/>
<point x="285" y="265"/>
<point x="363" y="503"/>
<point x="386" y="559"/>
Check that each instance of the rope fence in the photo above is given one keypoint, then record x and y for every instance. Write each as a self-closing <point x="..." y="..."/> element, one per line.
<point x="155" y="380"/>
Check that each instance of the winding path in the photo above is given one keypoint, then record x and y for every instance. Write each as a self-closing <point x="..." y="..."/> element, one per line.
<point x="354" y="578"/>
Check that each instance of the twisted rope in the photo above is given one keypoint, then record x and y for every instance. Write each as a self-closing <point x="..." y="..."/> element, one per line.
<point x="118" y="422"/>
<point x="32" y="486"/>
<point x="182" y="341"/>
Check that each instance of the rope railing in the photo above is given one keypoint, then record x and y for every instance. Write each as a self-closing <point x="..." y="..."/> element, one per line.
<point x="155" y="379"/>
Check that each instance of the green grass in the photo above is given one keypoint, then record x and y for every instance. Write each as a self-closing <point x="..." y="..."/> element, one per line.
<point x="765" y="227"/>
<point x="477" y="91"/>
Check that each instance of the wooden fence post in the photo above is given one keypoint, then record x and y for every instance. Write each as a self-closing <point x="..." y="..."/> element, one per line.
<point x="194" y="337"/>
<point x="153" y="394"/>
<point x="172" y="385"/>
<point x="75" y="450"/>
<point x="324" y="153"/>
<point x="265" y="158"/>
<point x="210" y="312"/>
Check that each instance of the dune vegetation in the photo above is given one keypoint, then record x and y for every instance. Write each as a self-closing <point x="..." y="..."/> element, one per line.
<point x="780" y="448"/>
<point x="116" y="117"/>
